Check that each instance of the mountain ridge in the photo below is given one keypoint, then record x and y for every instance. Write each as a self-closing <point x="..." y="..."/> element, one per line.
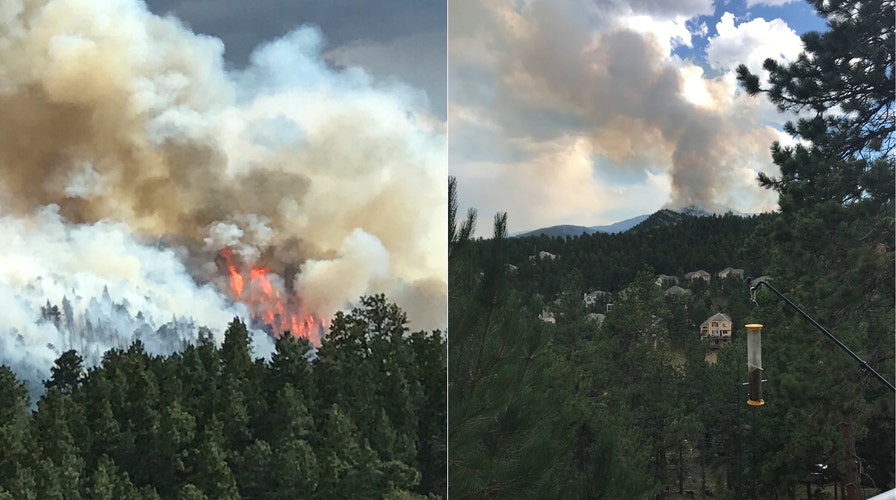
<point x="573" y="230"/>
<point x="662" y="217"/>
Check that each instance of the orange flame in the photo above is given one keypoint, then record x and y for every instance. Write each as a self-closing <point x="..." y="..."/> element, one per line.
<point x="236" y="279"/>
<point x="270" y="303"/>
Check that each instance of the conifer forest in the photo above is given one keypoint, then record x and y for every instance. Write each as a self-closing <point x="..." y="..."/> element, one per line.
<point x="362" y="416"/>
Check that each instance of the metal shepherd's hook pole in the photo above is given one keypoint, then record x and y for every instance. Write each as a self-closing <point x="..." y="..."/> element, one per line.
<point x="862" y="363"/>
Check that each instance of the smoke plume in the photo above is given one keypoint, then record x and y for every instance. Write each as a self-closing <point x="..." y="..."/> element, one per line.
<point x="130" y="158"/>
<point x="573" y="111"/>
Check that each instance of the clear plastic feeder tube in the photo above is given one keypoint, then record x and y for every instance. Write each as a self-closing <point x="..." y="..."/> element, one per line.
<point x="754" y="363"/>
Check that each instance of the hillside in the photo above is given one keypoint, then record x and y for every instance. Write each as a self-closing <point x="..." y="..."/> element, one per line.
<point x="663" y="242"/>
<point x="662" y="217"/>
<point x="580" y="323"/>
<point x="565" y="230"/>
<point x="562" y="231"/>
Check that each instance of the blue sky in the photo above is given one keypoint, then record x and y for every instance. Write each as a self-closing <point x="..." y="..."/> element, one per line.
<point x="800" y="16"/>
<point x="576" y="112"/>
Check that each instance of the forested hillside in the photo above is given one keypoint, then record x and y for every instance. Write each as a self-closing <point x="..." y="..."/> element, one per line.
<point x="363" y="416"/>
<point x="610" y="261"/>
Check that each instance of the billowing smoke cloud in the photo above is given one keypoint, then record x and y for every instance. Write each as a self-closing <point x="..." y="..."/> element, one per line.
<point x="361" y="260"/>
<point x="597" y="84"/>
<point x="92" y="287"/>
<point x="120" y="124"/>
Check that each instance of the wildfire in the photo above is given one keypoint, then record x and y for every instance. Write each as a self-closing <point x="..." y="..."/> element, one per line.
<point x="270" y="303"/>
<point x="236" y="279"/>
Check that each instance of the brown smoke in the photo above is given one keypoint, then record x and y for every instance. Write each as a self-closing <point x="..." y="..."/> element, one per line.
<point x="112" y="113"/>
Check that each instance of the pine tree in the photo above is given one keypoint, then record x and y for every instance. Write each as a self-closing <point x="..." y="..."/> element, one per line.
<point x="234" y="383"/>
<point x="210" y="472"/>
<point x="15" y="434"/>
<point x="67" y="372"/>
<point x="836" y="233"/>
<point x="362" y="369"/>
<point x="347" y="466"/>
<point x="108" y="483"/>
<point x="429" y="368"/>
<point x="502" y="413"/>
<point x="844" y="79"/>
<point x="62" y="464"/>
<point x="171" y="447"/>
<point x="256" y="471"/>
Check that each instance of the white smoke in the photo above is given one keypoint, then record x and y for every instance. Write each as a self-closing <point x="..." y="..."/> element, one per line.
<point x="106" y="288"/>
<point x="360" y="262"/>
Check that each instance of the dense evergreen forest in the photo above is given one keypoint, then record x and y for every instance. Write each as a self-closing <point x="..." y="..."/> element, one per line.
<point x="363" y="416"/>
<point x="609" y="262"/>
<point x="551" y="397"/>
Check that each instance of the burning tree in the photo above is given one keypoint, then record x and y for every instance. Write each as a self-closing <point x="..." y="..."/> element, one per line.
<point x="272" y="304"/>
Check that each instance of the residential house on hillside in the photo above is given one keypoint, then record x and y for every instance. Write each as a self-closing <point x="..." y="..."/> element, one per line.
<point x="730" y="271"/>
<point x="547" y="317"/>
<point x="718" y="328"/>
<point x="677" y="291"/>
<point x="592" y="298"/>
<point x="665" y="280"/>
<point x="543" y="255"/>
<point x="700" y="273"/>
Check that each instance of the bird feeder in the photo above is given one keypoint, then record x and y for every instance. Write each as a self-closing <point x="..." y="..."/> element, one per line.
<point x="754" y="364"/>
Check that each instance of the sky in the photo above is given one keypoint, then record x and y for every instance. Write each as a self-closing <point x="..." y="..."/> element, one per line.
<point x="589" y="113"/>
<point x="395" y="39"/>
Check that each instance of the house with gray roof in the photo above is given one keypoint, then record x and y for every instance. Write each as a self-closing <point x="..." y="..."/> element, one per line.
<point x="730" y="271"/>
<point x="700" y="273"/>
<point x="666" y="280"/>
<point x="717" y="328"/>
<point x="677" y="291"/>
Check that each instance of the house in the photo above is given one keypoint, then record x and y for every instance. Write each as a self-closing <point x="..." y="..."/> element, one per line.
<point x="730" y="271"/>
<point x="543" y="255"/>
<point x="700" y="273"/>
<point x="592" y="298"/>
<point x="677" y="291"/>
<point x="718" y="328"/>
<point x="547" y="317"/>
<point x="665" y="280"/>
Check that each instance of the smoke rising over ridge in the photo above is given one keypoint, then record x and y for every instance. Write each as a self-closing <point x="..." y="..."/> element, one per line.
<point x="121" y="124"/>
<point x="569" y="112"/>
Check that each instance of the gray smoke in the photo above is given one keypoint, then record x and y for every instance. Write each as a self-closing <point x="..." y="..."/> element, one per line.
<point x="565" y="98"/>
